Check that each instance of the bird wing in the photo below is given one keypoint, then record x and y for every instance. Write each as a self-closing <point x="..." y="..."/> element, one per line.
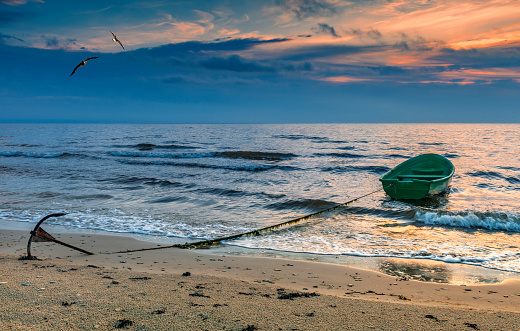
<point x="117" y="40"/>
<point x="82" y="64"/>
<point x="73" y="71"/>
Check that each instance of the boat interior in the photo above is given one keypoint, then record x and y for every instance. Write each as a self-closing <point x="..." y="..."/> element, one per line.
<point x="422" y="174"/>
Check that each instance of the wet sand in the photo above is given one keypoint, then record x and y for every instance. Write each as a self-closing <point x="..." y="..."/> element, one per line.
<point x="177" y="289"/>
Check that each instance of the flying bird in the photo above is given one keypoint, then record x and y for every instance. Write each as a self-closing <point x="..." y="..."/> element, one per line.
<point x="117" y="40"/>
<point x="82" y="64"/>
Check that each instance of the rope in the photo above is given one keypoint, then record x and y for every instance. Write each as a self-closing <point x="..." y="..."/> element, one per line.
<point x="211" y="242"/>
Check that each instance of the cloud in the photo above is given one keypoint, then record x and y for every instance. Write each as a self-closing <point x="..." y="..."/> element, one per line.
<point x="235" y="63"/>
<point x="96" y="11"/>
<point x="452" y="21"/>
<point x="370" y="33"/>
<point x="506" y="57"/>
<point x="418" y="43"/>
<point x="18" y="2"/>
<point x="308" y="8"/>
<point x="486" y="76"/>
<point x="190" y="47"/>
<point x="51" y="42"/>
<point x="323" y="51"/>
<point x="344" y="79"/>
<point x="211" y="80"/>
<point x="4" y="37"/>
<point x="411" y="6"/>
<point x="371" y="57"/>
<point x="11" y="17"/>
<point x="323" y="28"/>
<point x="202" y="58"/>
<point x="239" y="64"/>
<point x="57" y="42"/>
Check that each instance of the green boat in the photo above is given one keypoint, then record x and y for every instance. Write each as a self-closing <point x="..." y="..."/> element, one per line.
<point x="419" y="177"/>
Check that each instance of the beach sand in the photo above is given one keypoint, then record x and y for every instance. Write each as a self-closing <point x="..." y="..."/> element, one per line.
<point x="178" y="289"/>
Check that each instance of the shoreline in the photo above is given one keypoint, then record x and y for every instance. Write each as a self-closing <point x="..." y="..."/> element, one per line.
<point x="202" y="289"/>
<point x="302" y="275"/>
<point x="418" y="269"/>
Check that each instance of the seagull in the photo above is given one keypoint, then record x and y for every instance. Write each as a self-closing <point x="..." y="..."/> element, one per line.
<point x="82" y="64"/>
<point x="117" y="40"/>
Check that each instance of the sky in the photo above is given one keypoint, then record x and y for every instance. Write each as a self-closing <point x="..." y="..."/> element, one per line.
<point x="260" y="61"/>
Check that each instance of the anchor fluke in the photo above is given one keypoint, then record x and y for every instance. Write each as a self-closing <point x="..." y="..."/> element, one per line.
<point x="40" y="235"/>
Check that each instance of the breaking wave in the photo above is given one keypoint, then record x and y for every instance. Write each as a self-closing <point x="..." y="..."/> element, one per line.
<point x="503" y="221"/>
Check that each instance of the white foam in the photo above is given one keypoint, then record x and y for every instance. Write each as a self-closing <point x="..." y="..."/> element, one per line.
<point x="505" y="221"/>
<point x="302" y="240"/>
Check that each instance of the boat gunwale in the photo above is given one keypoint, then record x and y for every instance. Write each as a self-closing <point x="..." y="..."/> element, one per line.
<point x="418" y="157"/>
<point x="391" y="177"/>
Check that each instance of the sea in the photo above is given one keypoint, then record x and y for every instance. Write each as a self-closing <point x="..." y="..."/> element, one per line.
<point x="186" y="182"/>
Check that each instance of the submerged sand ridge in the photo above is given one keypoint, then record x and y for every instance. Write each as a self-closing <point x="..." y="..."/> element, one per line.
<point x="194" y="289"/>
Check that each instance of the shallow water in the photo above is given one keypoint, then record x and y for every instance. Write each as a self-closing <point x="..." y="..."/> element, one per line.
<point x="207" y="181"/>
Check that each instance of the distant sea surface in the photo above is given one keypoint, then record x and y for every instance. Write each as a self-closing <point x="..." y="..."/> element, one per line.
<point x="208" y="181"/>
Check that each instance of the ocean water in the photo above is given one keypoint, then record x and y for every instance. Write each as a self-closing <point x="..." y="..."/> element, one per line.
<point x="207" y="181"/>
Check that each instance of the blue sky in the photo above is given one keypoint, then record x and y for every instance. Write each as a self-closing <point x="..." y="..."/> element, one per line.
<point x="273" y="61"/>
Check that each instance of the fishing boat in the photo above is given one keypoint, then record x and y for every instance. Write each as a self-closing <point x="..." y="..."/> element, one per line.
<point x="418" y="177"/>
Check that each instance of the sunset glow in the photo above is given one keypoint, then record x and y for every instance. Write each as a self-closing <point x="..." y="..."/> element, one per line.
<point x="266" y="44"/>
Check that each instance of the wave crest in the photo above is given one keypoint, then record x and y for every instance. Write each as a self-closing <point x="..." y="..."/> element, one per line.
<point x="504" y="221"/>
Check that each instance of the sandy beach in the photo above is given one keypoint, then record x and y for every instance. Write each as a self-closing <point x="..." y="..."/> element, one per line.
<point x="178" y="289"/>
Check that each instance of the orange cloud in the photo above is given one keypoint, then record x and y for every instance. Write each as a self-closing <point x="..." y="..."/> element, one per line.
<point x="506" y="36"/>
<point x="454" y="19"/>
<point x="445" y="82"/>
<point x="489" y="75"/>
<point x="344" y="79"/>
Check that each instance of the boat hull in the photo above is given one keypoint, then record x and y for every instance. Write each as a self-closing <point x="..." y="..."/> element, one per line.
<point x="419" y="177"/>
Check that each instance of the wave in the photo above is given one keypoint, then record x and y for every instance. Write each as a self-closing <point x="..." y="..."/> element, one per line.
<point x="237" y="193"/>
<point x="451" y="155"/>
<point x="223" y="192"/>
<point x="47" y="195"/>
<point x="246" y="155"/>
<point x="396" y="156"/>
<point x="509" y="168"/>
<point x="374" y="169"/>
<point x="91" y="197"/>
<point x="346" y="148"/>
<point x="289" y="241"/>
<point x="169" y="155"/>
<point x="23" y="145"/>
<point x="43" y="155"/>
<point x="149" y="146"/>
<point x="493" y="174"/>
<point x="343" y="155"/>
<point x="146" y="181"/>
<point x="116" y="222"/>
<point x="169" y="199"/>
<point x="308" y="204"/>
<point x="251" y="155"/>
<point x="431" y="144"/>
<point x="503" y="221"/>
<point x="244" y="167"/>
<point x="315" y="139"/>
<point x="8" y="170"/>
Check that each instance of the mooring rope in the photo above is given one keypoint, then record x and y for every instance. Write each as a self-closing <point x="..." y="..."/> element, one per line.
<point x="211" y="242"/>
